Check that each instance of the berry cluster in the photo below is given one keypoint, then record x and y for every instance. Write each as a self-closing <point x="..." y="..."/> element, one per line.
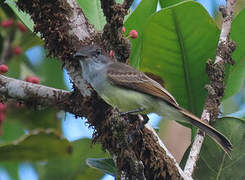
<point x="10" y="23"/>
<point x="133" y="34"/>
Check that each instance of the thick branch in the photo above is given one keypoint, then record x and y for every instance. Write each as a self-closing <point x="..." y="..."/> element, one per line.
<point x="216" y="88"/>
<point x="35" y="95"/>
<point x="29" y="92"/>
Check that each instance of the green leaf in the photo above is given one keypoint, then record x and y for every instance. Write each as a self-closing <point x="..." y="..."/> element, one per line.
<point x="51" y="73"/>
<point x="11" y="130"/>
<point x="214" y="163"/>
<point x="37" y="145"/>
<point x="92" y="10"/>
<point x="235" y="74"/>
<point x="11" y="168"/>
<point x="73" y="167"/>
<point x="137" y="21"/>
<point x="25" y="18"/>
<point x="166" y="3"/>
<point x="230" y="105"/>
<point x="28" y="40"/>
<point x="176" y="45"/>
<point x="14" y="66"/>
<point x="33" y="119"/>
<point x="106" y="165"/>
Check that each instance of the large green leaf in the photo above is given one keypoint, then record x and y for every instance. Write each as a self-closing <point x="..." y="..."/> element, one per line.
<point x="73" y="167"/>
<point x="37" y="145"/>
<point x="214" y="163"/>
<point x="137" y="21"/>
<point x="92" y="10"/>
<point x="11" y="131"/>
<point x="177" y="42"/>
<point x="236" y="74"/>
<point x="166" y="3"/>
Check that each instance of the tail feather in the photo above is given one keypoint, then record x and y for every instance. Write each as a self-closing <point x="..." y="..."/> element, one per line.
<point x="224" y="143"/>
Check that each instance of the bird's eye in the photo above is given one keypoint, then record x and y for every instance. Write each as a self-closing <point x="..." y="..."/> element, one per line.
<point x="98" y="52"/>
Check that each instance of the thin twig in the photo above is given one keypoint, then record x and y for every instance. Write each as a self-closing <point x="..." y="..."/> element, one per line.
<point x="216" y="87"/>
<point x="6" y="45"/>
<point x="6" y="50"/>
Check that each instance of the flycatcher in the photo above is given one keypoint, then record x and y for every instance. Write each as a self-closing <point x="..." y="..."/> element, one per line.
<point x="126" y="88"/>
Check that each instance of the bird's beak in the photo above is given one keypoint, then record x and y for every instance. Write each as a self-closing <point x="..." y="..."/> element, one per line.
<point x="80" y="54"/>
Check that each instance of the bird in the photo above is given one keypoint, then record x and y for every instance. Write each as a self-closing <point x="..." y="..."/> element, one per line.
<point x="127" y="89"/>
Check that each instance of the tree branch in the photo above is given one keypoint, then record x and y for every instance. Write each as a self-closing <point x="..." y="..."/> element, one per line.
<point x="29" y="92"/>
<point x="36" y="95"/>
<point x="112" y="33"/>
<point x="216" y="88"/>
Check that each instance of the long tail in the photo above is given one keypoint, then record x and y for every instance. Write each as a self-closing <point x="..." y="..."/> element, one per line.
<point x="224" y="143"/>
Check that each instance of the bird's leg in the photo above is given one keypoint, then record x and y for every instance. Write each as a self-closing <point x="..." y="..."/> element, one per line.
<point x="132" y="111"/>
<point x="144" y="120"/>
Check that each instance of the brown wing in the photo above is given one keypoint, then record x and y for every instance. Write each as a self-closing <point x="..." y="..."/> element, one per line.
<point x="126" y="76"/>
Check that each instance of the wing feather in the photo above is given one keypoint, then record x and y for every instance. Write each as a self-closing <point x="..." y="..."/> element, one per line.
<point x="126" y="76"/>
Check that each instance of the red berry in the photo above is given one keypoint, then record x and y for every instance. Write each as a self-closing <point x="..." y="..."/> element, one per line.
<point x="21" y="27"/>
<point x="2" y="116"/>
<point x="32" y="79"/>
<point x="28" y="78"/>
<point x="35" y="80"/>
<point x="2" y="107"/>
<point x="111" y="53"/>
<point x="3" y="68"/>
<point x="123" y="29"/>
<point x="133" y="34"/>
<point x="17" y="50"/>
<point x="7" y="23"/>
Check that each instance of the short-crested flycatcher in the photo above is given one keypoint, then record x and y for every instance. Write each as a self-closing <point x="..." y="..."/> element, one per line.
<point x="126" y="88"/>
